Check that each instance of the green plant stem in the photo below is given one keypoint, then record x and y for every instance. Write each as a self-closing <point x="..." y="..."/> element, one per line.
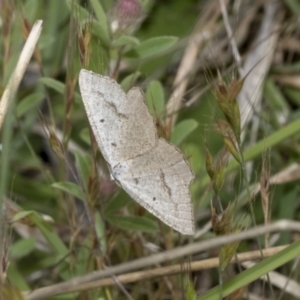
<point x="254" y="273"/>
<point x="4" y="163"/>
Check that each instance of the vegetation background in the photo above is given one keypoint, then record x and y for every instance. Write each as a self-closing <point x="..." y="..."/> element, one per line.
<point x="62" y="215"/>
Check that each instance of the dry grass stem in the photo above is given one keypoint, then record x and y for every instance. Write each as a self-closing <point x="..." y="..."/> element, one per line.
<point x="164" y="257"/>
<point x="233" y="44"/>
<point x="20" y="69"/>
<point x="291" y="173"/>
<point x="172" y="270"/>
<point x="203" y="29"/>
<point x="258" y="64"/>
<point x="258" y="61"/>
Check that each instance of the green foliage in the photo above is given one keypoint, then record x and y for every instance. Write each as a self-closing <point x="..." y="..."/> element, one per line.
<point x="155" y="98"/>
<point x="70" y="188"/>
<point x="129" y="81"/>
<point x="152" y="47"/>
<point x="133" y="223"/>
<point x="54" y="84"/>
<point x="72" y="219"/>
<point x="22" y="248"/>
<point x="28" y="103"/>
<point x="182" y="130"/>
<point x="243" y="279"/>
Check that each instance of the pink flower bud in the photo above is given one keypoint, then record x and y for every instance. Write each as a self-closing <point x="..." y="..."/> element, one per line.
<point x="126" y="15"/>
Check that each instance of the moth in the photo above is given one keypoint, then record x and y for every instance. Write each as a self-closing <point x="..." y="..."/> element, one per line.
<point x="151" y="170"/>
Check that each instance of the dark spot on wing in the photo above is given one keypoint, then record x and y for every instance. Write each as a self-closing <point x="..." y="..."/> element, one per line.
<point x="114" y="144"/>
<point x="136" y="181"/>
<point x="154" y="199"/>
<point x="102" y="120"/>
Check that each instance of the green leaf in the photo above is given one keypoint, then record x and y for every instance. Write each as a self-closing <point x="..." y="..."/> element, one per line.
<point x="30" y="8"/>
<point x="57" y="86"/>
<point x="133" y="223"/>
<point x="70" y="188"/>
<point x="82" y="256"/>
<point x="28" y="103"/>
<point x="118" y="202"/>
<point x="22" y="214"/>
<point x="292" y="93"/>
<point x="16" y="278"/>
<point x="100" y="231"/>
<point x="83" y="164"/>
<point x="196" y="158"/>
<point x="267" y="142"/>
<point x="28" y="188"/>
<point x="54" y="84"/>
<point x="98" y="31"/>
<point x="78" y="11"/>
<point x="153" y="47"/>
<point x="102" y="28"/>
<point x="182" y="130"/>
<point x="155" y="98"/>
<point x="85" y="135"/>
<point x="47" y="231"/>
<point x="50" y="235"/>
<point x="126" y="40"/>
<point x="46" y="41"/>
<point x="21" y="248"/>
<point x="129" y="81"/>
